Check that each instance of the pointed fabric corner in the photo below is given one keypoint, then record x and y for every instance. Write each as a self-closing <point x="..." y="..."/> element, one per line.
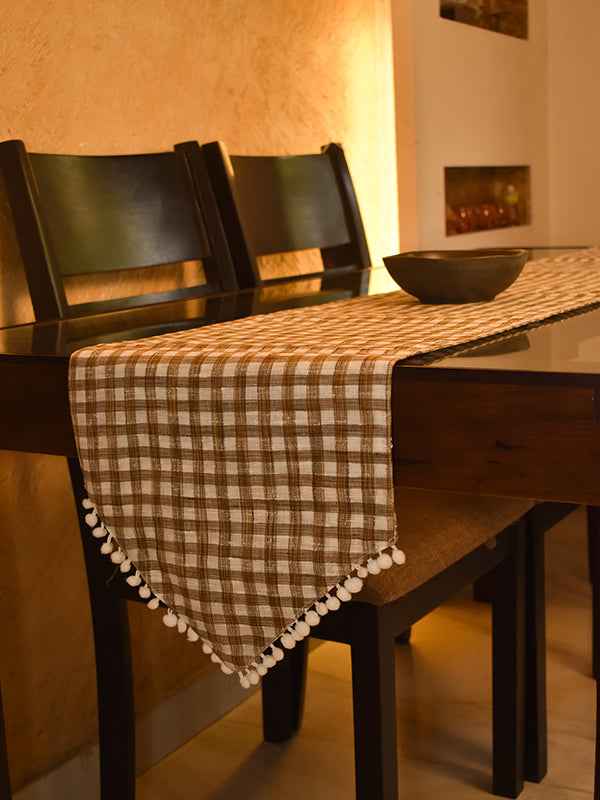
<point x="298" y="629"/>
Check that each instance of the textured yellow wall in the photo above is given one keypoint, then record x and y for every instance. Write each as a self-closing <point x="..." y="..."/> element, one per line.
<point x="265" y="76"/>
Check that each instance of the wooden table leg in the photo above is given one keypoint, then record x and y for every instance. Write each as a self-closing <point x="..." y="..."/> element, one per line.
<point x="593" y="532"/>
<point x="536" y="734"/>
<point x="508" y="656"/>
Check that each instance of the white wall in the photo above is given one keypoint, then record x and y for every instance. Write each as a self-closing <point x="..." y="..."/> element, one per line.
<point x="480" y="100"/>
<point x="574" y="121"/>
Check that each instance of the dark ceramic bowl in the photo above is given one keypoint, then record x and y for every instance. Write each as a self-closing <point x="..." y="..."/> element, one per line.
<point x="456" y="276"/>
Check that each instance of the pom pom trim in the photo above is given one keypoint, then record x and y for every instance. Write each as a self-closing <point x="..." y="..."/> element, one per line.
<point x="297" y="631"/>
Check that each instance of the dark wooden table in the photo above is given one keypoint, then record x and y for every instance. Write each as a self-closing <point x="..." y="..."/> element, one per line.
<point x="519" y="417"/>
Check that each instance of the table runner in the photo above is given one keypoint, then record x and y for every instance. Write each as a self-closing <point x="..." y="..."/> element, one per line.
<point x="241" y="473"/>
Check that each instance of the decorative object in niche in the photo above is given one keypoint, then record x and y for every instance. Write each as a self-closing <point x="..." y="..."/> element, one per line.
<point x="480" y="198"/>
<point x="504" y="16"/>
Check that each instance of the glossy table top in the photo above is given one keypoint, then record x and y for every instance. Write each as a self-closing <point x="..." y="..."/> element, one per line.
<point x="569" y="349"/>
<point x="62" y="337"/>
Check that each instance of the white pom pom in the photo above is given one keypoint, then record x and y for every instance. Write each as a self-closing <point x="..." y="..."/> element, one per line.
<point x="261" y="669"/>
<point x="181" y="625"/>
<point x="302" y="628"/>
<point x="321" y="609"/>
<point x="169" y="619"/>
<point x="145" y="591"/>
<point x="398" y="556"/>
<point x="269" y="661"/>
<point x="135" y="579"/>
<point x="192" y="636"/>
<point x="253" y="677"/>
<point x="353" y="585"/>
<point x="288" y="641"/>
<point x="245" y="682"/>
<point x="87" y="503"/>
<point x="312" y="618"/>
<point x="91" y="519"/>
<point x="278" y="653"/>
<point x="153" y="604"/>
<point x="332" y="603"/>
<point x="107" y="548"/>
<point x="206" y="648"/>
<point x="117" y="556"/>
<point x="385" y="561"/>
<point x="227" y="670"/>
<point x="215" y="658"/>
<point x="125" y="565"/>
<point x="99" y="532"/>
<point x="373" y="567"/>
<point x="343" y="594"/>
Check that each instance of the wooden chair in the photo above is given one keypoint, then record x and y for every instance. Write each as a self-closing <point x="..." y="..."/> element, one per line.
<point x="444" y="537"/>
<point x="286" y="203"/>
<point x="283" y="204"/>
<point x="101" y="215"/>
<point x="107" y="215"/>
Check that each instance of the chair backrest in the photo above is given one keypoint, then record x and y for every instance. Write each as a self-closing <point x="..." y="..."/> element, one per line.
<point x="282" y="204"/>
<point x="82" y="215"/>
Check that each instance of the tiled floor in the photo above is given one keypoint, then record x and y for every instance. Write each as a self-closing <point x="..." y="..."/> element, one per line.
<point x="443" y="701"/>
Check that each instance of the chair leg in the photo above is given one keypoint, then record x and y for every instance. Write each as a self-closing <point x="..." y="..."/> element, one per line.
<point x="593" y="533"/>
<point x="5" y="792"/>
<point x="597" y="767"/>
<point x="508" y="666"/>
<point x="536" y="738"/>
<point x="283" y="690"/>
<point x="374" y="693"/>
<point x="116" y="718"/>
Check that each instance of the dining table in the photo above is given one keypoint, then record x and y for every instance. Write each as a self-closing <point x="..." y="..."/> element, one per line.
<point x="510" y="409"/>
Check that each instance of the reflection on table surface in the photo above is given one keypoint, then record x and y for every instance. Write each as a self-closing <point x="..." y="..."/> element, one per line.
<point x="574" y="346"/>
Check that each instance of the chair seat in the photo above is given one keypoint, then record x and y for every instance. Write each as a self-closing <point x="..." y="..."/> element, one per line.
<point x="435" y="530"/>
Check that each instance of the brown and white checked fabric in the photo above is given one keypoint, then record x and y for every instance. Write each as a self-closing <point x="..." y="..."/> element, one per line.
<point x="245" y="467"/>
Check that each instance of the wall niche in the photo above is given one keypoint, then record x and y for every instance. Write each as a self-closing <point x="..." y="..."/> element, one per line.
<point x="503" y="16"/>
<point x="484" y="198"/>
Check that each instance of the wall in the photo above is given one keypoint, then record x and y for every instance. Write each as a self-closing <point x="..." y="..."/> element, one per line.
<point x="406" y="143"/>
<point x="574" y="121"/>
<point x="110" y="77"/>
<point x="481" y="99"/>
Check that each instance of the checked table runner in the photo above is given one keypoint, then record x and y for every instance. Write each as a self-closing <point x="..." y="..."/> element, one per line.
<point x="241" y="474"/>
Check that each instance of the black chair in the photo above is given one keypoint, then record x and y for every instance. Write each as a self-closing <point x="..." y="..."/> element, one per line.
<point x="430" y="524"/>
<point x="108" y="215"/>
<point x="103" y="215"/>
<point x="277" y="204"/>
<point x="283" y="204"/>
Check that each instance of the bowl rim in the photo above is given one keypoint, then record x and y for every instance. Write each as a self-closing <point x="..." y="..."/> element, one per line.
<point x="455" y="255"/>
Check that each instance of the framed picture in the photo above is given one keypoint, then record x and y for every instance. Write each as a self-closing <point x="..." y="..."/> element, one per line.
<point x="503" y="16"/>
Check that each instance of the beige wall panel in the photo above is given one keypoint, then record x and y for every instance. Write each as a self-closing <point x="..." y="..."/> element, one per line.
<point x="265" y="76"/>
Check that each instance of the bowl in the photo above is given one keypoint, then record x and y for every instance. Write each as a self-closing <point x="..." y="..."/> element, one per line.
<point x="456" y="276"/>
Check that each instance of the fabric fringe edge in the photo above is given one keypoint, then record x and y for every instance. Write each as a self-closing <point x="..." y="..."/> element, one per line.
<point x="296" y="632"/>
